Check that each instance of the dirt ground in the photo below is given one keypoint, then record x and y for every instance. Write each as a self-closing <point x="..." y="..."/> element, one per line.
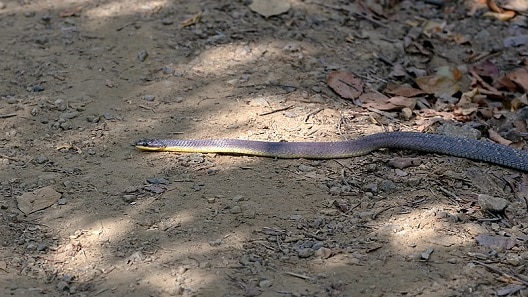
<point x="81" y="81"/>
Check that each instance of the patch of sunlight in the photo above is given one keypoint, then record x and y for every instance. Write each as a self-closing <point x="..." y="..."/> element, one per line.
<point x="118" y="8"/>
<point x="422" y="229"/>
<point x="118" y="227"/>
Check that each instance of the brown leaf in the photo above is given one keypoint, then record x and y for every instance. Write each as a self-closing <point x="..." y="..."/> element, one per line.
<point x="39" y="199"/>
<point x="486" y="69"/>
<point x="520" y="77"/>
<point x="402" y="163"/>
<point x="400" y="101"/>
<point x="444" y="82"/>
<point x="405" y="91"/>
<point x="493" y="135"/>
<point x="347" y="85"/>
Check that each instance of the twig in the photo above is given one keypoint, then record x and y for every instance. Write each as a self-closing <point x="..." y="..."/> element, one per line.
<point x="450" y="194"/>
<point x="365" y="17"/>
<point x="9" y="115"/>
<point x="277" y="110"/>
<point x="376" y="214"/>
<point x="312" y="113"/>
<point x="502" y="272"/>
<point x="301" y="276"/>
<point x="314" y="236"/>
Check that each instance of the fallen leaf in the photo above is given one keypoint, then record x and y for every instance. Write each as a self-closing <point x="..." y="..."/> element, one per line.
<point x="493" y="135"/>
<point x="444" y="82"/>
<point x="520" y="77"/>
<point x="495" y="241"/>
<point x="486" y="69"/>
<point x="268" y="8"/>
<point x="405" y="91"/>
<point x="401" y="101"/>
<point x="347" y="85"/>
<point x="402" y="163"/>
<point x="515" y="5"/>
<point x="39" y="199"/>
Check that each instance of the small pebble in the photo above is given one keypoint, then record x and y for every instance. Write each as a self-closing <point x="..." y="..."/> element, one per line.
<point x="265" y="283"/>
<point x="235" y="209"/>
<point x="158" y="181"/>
<point x="324" y="253"/>
<point x="492" y="204"/>
<point x="371" y="187"/>
<point x="149" y="97"/>
<point x="63" y="286"/>
<point x="238" y="198"/>
<point x="68" y="115"/>
<point x="2" y="5"/>
<point x="42" y="247"/>
<point x="335" y="190"/>
<point x="217" y="242"/>
<point x="387" y="186"/>
<point x="306" y="168"/>
<point x="167" y="70"/>
<point x="62" y="201"/>
<point x="167" y="22"/>
<point x="41" y="159"/>
<point x="37" y="88"/>
<point x="130" y="189"/>
<point x="12" y="100"/>
<point x="129" y="198"/>
<point x="306" y="252"/>
<point x="142" y="56"/>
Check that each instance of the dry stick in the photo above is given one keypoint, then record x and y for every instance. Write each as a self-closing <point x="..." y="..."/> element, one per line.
<point x="312" y="113"/>
<point x="301" y="276"/>
<point x="9" y="115"/>
<point x="450" y="194"/>
<point x="277" y="110"/>
<point x="502" y="272"/>
<point x="365" y="17"/>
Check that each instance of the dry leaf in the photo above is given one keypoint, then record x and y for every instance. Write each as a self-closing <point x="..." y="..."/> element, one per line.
<point x="268" y="8"/>
<point x="520" y="77"/>
<point x="515" y="5"/>
<point x="382" y="102"/>
<point x="495" y="241"/>
<point x="493" y="135"/>
<point x="39" y="199"/>
<point x="347" y="85"/>
<point x="405" y="91"/>
<point x="444" y="82"/>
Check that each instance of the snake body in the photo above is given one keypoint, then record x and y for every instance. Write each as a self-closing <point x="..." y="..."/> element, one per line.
<point x="429" y="143"/>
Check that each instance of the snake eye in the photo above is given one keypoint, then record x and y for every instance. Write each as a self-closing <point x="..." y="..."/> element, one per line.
<point x="142" y="142"/>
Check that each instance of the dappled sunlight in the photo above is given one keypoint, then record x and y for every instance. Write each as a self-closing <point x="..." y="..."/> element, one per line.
<point x="120" y="8"/>
<point x="138" y="223"/>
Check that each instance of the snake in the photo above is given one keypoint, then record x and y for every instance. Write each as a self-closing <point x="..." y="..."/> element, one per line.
<point x="473" y="149"/>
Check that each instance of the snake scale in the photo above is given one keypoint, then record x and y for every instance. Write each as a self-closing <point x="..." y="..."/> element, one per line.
<point x="430" y="143"/>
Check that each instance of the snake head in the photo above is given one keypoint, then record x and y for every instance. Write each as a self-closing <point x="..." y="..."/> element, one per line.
<point x="150" y="145"/>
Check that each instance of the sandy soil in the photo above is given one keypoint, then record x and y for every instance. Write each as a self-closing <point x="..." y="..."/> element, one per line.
<point x="83" y="80"/>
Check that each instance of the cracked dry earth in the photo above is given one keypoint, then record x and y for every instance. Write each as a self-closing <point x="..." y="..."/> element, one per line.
<point x="83" y="80"/>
